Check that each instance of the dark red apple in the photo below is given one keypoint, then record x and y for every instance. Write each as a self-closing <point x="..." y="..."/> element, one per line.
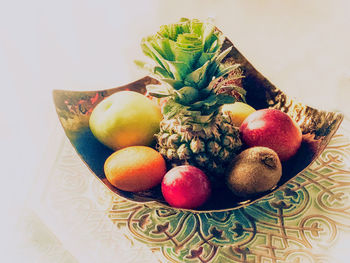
<point x="274" y="129"/>
<point x="186" y="186"/>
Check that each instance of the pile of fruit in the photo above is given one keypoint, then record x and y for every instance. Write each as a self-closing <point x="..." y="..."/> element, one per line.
<point x="203" y="136"/>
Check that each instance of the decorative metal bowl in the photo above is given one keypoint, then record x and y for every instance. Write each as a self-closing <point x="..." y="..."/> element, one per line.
<point x="318" y="127"/>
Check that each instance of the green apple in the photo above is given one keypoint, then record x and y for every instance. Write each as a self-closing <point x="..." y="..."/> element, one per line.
<point x="125" y="118"/>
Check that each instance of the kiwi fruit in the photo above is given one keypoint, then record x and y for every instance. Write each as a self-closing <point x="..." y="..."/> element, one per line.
<point x="255" y="170"/>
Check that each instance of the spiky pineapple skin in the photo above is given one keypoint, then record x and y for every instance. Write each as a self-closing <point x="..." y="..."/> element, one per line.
<point x="210" y="147"/>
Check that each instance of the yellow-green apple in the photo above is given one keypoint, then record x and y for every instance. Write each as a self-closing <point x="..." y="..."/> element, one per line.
<point x="274" y="129"/>
<point x="125" y="118"/>
<point x="238" y="111"/>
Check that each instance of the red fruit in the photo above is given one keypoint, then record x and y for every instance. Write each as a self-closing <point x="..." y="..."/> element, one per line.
<point x="186" y="186"/>
<point x="273" y="129"/>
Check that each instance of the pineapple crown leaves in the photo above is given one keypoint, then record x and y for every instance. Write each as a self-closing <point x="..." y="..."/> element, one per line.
<point x="201" y="112"/>
<point x="186" y="53"/>
<point x="230" y="83"/>
<point x="199" y="106"/>
<point x="188" y="58"/>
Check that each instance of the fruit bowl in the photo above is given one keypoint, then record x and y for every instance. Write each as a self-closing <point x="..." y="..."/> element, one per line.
<point x="318" y="127"/>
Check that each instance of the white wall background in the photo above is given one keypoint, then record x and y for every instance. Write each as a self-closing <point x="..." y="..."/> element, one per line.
<point x="302" y="46"/>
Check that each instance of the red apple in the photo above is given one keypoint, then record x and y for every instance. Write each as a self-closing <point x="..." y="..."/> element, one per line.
<point x="273" y="129"/>
<point x="186" y="186"/>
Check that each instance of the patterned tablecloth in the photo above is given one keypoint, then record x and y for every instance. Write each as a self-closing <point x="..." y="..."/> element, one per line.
<point x="307" y="221"/>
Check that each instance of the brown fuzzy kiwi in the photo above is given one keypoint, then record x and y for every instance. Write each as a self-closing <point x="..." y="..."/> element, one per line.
<point x="254" y="170"/>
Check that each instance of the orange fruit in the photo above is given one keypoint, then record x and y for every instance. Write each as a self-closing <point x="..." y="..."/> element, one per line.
<point x="135" y="168"/>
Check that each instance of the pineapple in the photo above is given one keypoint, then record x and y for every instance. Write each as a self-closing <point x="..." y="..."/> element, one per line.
<point x="188" y="59"/>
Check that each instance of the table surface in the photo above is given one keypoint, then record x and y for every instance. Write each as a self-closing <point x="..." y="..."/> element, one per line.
<point x="307" y="221"/>
<point x="300" y="46"/>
